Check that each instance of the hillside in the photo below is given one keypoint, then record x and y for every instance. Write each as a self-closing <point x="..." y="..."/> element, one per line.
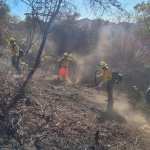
<point x="67" y="117"/>
<point x="93" y="45"/>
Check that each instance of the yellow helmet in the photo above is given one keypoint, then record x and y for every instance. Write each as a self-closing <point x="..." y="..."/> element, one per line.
<point x="66" y="54"/>
<point x="46" y="57"/>
<point x="12" y="39"/>
<point x="103" y="64"/>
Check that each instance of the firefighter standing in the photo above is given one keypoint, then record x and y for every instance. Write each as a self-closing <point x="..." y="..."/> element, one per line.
<point x="106" y="80"/>
<point x="64" y="64"/>
<point x="15" y="58"/>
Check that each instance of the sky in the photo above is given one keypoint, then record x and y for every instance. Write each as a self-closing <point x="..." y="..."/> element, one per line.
<point x="18" y="9"/>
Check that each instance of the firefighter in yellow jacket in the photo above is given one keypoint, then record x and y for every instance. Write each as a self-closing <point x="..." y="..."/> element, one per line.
<point x="15" y="54"/>
<point x="105" y="72"/>
<point x="106" y="80"/>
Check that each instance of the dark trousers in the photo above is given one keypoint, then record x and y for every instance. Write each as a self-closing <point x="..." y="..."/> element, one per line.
<point x="16" y="63"/>
<point x="109" y="88"/>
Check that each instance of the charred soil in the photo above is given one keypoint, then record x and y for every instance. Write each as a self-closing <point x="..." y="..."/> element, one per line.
<point x="66" y="117"/>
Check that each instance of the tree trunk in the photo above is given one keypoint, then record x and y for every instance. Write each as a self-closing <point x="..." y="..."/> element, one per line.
<point x="20" y="92"/>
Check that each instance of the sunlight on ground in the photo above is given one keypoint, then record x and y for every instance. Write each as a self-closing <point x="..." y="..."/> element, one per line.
<point x="122" y="106"/>
<point x="133" y="117"/>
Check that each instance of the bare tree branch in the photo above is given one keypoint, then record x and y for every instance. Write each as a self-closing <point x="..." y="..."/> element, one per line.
<point x="51" y="18"/>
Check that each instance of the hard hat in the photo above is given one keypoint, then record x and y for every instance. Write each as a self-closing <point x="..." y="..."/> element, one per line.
<point x="106" y="66"/>
<point x="102" y="63"/>
<point x="65" y="54"/>
<point x="46" y="57"/>
<point x="12" y="39"/>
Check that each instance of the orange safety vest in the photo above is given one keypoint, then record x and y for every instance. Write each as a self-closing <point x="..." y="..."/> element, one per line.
<point x="63" y="72"/>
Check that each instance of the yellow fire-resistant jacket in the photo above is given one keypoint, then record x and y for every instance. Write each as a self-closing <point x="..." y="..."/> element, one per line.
<point x="65" y="61"/>
<point x="14" y="48"/>
<point x="106" y="74"/>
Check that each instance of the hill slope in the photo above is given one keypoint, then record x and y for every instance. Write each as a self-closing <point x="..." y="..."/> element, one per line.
<point x="65" y="117"/>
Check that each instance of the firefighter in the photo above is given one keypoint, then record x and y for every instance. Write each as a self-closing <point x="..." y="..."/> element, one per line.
<point x="64" y="63"/>
<point x="106" y="80"/>
<point x="15" y="54"/>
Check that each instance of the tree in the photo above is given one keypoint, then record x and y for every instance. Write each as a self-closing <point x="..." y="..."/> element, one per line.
<point x="31" y="29"/>
<point x="143" y="12"/>
<point x="76" y="35"/>
<point x="143" y="24"/>
<point x="105" y="5"/>
<point x="4" y="10"/>
<point x="46" y="11"/>
<point x="4" y="19"/>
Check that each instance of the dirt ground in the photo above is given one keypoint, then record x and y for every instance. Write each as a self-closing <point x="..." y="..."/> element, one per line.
<point x="74" y="117"/>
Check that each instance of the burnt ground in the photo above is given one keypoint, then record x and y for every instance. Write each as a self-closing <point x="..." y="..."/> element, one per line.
<point x="69" y="117"/>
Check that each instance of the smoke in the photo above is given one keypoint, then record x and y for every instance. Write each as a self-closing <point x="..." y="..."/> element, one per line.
<point x="117" y="45"/>
<point x="135" y="118"/>
<point x="132" y="116"/>
<point x="108" y="35"/>
<point x="104" y="41"/>
<point x="85" y="67"/>
<point x="115" y="40"/>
